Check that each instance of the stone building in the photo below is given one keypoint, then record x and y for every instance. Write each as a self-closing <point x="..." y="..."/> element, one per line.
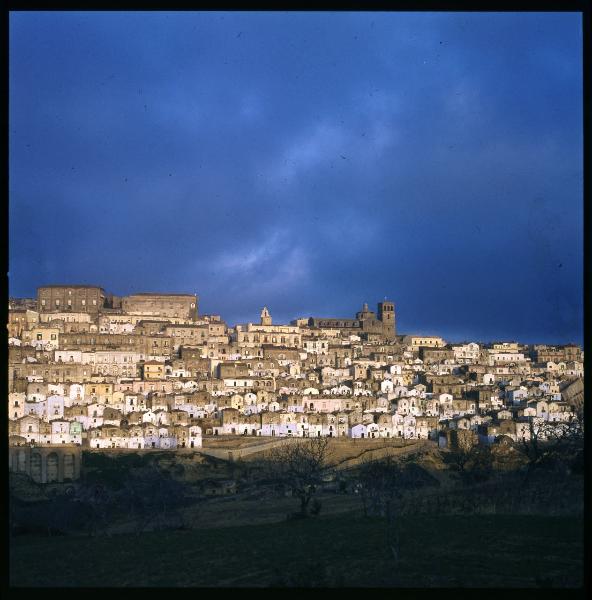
<point x="148" y="345"/>
<point x="21" y="319"/>
<point x="418" y="341"/>
<point x="542" y="353"/>
<point x="365" y="324"/>
<point x="435" y="355"/>
<point x="70" y="298"/>
<point x="162" y="305"/>
<point x="154" y="370"/>
<point x="256" y="335"/>
<point x="47" y="464"/>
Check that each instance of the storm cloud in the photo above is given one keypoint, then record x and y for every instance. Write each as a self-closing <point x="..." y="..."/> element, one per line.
<point x="309" y="162"/>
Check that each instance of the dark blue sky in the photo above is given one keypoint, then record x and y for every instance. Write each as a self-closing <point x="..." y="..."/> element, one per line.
<point x="306" y="161"/>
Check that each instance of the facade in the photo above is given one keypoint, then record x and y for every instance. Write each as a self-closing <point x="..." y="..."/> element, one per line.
<point x="265" y="333"/>
<point x="366" y="322"/>
<point x="419" y="341"/>
<point x="183" y="306"/>
<point x="47" y="464"/>
<point x="73" y="298"/>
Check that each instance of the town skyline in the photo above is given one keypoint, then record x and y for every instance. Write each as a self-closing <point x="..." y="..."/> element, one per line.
<point x="103" y="371"/>
<point x="251" y="318"/>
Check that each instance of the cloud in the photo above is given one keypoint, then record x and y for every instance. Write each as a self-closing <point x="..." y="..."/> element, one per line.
<point x="311" y="163"/>
<point x="274" y="263"/>
<point x="309" y="151"/>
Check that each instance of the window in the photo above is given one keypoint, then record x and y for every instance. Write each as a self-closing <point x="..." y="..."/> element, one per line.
<point x="42" y="302"/>
<point x="83" y="302"/>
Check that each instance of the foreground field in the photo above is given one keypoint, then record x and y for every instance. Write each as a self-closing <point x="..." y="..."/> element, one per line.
<point x="345" y="550"/>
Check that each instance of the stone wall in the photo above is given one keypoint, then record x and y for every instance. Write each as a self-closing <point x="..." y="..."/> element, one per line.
<point x="46" y="464"/>
<point x="164" y="305"/>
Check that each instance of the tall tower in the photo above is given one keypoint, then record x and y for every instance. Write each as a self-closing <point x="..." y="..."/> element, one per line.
<point x="265" y="317"/>
<point x="386" y="314"/>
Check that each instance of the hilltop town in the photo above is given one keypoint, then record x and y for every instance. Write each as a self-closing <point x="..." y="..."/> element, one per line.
<point x="148" y="371"/>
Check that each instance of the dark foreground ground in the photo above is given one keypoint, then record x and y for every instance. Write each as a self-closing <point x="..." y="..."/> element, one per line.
<point x="346" y="550"/>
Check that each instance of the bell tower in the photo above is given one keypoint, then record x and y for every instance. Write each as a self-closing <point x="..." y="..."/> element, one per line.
<point x="265" y="317"/>
<point x="386" y="314"/>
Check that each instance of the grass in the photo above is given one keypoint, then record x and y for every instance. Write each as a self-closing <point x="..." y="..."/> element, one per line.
<point x="345" y="550"/>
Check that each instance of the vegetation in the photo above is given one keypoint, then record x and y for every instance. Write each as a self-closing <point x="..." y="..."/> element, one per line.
<point x="300" y="466"/>
<point x="466" y="517"/>
<point x="472" y="464"/>
<point x="554" y="445"/>
<point x="490" y="550"/>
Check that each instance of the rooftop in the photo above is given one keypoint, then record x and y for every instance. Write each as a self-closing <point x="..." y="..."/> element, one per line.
<point x="75" y="285"/>
<point x="160" y="294"/>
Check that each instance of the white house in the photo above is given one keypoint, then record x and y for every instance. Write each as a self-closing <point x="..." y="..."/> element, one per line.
<point x="409" y="426"/>
<point x="195" y="436"/>
<point x="55" y="407"/>
<point x="358" y="431"/>
<point x="372" y="430"/>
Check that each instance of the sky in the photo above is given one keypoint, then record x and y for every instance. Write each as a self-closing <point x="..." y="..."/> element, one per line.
<point x="308" y="162"/>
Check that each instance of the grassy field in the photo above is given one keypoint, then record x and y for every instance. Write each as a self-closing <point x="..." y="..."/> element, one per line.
<point x="345" y="550"/>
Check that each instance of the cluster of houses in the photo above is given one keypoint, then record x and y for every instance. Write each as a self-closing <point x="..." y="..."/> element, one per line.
<point x="146" y="371"/>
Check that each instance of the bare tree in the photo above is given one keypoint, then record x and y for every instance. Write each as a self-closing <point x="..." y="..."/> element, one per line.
<point x="549" y="442"/>
<point x="382" y="485"/>
<point x="301" y="464"/>
<point x="471" y="463"/>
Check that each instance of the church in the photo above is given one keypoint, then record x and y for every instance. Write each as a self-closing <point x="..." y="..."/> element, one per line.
<point x="265" y="332"/>
<point x="366" y="324"/>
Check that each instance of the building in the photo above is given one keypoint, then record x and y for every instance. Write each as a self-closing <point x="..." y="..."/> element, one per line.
<point x="543" y="353"/>
<point x="365" y="324"/>
<point x="70" y="298"/>
<point x="154" y="370"/>
<point x="21" y="319"/>
<point x="435" y="355"/>
<point x="47" y="464"/>
<point x="419" y="341"/>
<point x="182" y="306"/>
<point x="266" y="333"/>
